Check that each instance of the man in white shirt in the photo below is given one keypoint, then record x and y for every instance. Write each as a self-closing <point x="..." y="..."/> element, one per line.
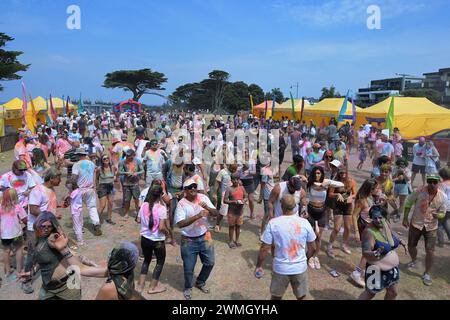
<point x="419" y="160"/>
<point x="294" y="242"/>
<point x="191" y="217"/>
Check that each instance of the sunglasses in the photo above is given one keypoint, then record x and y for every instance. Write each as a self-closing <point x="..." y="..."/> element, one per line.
<point x="192" y="186"/>
<point x="105" y="159"/>
<point x="45" y="226"/>
<point x="432" y="182"/>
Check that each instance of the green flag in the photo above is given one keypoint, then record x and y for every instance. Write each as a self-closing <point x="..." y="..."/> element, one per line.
<point x="390" y="117"/>
<point x="293" y="107"/>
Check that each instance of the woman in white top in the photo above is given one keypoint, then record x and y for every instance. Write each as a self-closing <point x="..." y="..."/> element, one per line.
<point x="316" y="188"/>
<point x="154" y="228"/>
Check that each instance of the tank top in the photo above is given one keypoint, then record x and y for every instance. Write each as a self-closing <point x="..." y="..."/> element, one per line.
<point x="317" y="195"/>
<point x="106" y="177"/>
<point x="48" y="259"/>
<point x="284" y="190"/>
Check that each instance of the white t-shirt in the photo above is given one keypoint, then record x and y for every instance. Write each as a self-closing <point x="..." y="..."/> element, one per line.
<point x="10" y="227"/>
<point x="419" y="155"/>
<point x="159" y="213"/>
<point x="20" y="183"/>
<point x="43" y="197"/>
<point x="85" y="170"/>
<point x="290" y="235"/>
<point x="186" y="209"/>
<point x="140" y="145"/>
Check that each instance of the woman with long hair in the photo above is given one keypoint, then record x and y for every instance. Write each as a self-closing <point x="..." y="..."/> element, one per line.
<point x="54" y="260"/>
<point x="364" y="200"/>
<point x="154" y="228"/>
<point x="104" y="177"/>
<point x="39" y="161"/>
<point x="343" y="198"/>
<point x="316" y="188"/>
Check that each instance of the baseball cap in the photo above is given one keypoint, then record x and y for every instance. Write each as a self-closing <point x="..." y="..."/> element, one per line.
<point x="153" y="142"/>
<point x="21" y="165"/>
<point x="433" y="177"/>
<point x="336" y="163"/>
<point x="80" y="151"/>
<point x="316" y="145"/>
<point x="188" y="183"/>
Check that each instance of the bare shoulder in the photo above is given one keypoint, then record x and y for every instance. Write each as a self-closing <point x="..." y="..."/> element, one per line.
<point x="107" y="292"/>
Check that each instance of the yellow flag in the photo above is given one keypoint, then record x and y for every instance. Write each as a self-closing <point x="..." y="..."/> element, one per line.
<point x="251" y="102"/>
<point x="31" y="118"/>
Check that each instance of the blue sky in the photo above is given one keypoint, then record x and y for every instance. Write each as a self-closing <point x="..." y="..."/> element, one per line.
<point x="272" y="43"/>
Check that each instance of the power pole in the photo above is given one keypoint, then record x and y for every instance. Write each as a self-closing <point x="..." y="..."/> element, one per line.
<point x="297" y="89"/>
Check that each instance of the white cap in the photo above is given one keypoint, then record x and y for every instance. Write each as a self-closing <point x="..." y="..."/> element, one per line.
<point x="336" y="163"/>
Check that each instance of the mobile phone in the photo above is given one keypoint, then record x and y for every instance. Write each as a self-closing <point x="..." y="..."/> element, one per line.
<point x="334" y="273"/>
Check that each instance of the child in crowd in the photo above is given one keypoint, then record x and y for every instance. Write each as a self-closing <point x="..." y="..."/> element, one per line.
<point x="11" y="214"/>
<point x="362" y="155"/>
<point x="235" y="197"/>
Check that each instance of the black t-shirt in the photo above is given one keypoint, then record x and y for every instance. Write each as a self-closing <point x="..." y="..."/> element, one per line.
<point x="72" y="157"/>
<point x="139" y="130"/>
<point x="81" y="125"/>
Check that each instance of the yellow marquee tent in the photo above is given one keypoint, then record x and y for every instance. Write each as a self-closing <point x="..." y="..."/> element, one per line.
<point x="2" y="120"/>
<point x="285" y="110"/>
<point x="327" y="109"/>
<point x="13" y="113"/>
<point x="413" y="116"/>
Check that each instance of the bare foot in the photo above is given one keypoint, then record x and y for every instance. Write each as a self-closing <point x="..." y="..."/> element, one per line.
<point x="157" y="289"/>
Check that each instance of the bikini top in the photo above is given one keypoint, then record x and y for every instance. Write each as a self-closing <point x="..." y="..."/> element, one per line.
<point x="382" y="242"/>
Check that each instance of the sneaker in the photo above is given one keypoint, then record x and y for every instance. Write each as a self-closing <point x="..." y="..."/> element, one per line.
<point x="411" y="265"/>
<point x="187" y="293"/>
<point x="311" y="263"/>
<point x="356" y="277"/>
<point x="346" y="249"/>
<point x="426" y="278"/>
<point x="97" y="230"/>
<point x="317" y="263"/>
<point x="27" y="288"/>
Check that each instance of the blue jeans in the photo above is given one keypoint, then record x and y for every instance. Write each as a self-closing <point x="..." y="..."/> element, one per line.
<point x="190" y="248"/>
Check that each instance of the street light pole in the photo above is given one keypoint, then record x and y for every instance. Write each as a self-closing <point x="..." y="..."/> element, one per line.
<point x="297" y="89"/>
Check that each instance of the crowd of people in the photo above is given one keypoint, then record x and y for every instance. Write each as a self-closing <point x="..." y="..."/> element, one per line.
<point x="141" y="157"/>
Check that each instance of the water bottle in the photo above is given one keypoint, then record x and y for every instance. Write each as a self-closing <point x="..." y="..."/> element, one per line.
<point x="259" y="274"/>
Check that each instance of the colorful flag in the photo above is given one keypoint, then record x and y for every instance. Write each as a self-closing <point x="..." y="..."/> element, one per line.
<point x="47" y="117"/>
<point x="67" y="106"/>
<point x="343" y="108"/>
<point x="31" y="122"/>
<point x="273" y="105"/>
<point x="24" y="104"/>
<point x="353" y="110"/>
<point x="265" y="111"/>
<point x="63" y="106"/>
<point x="251" y="102"/>
<point x="52" y="110"/>
<point x="303" y="108"/>
<point x="390" y="117"/>
<point x="293" y="106"/>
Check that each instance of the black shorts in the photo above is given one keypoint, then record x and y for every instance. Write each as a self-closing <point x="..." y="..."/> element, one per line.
<point x="130" y="192"/>
<point x="16" y="242"/>
<point x="417" y="168"/>
<point x="105" y="189"/>
<point x="342" y="209"/>
<point x="386" y="279"/>
<point x="317" y="214"/>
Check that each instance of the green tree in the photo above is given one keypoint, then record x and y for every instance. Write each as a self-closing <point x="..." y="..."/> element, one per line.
<point x="329" y="93"/>
<point x="139" y="82"/>
<point x="9" y="65"/>
<point x="430" y="94"/>
<point x="218" y="80"/>
<point x="277" y="93"/>
<point x="236" y="97"/>
<point x="257" y="93"/>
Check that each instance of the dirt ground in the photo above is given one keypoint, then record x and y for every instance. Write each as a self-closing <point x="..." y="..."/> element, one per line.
<point x="232" y="276"/>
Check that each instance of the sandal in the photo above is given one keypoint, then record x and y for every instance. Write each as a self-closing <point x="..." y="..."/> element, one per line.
<point x="231" y="245"/>
<point x="202" y="288"/>
<point x="157" y="290"/>
<point x="238" y="244"/>
<point x="187" y="293"/>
